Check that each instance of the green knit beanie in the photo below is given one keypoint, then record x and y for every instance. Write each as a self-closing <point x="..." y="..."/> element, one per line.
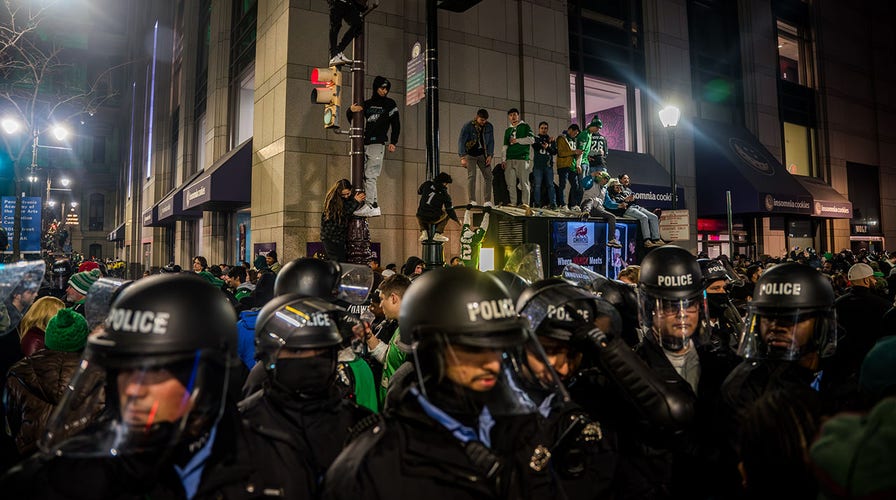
<point x="67" y="331"/>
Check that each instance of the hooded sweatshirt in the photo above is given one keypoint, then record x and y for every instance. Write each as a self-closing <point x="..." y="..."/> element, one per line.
<point x="379" y="114"/>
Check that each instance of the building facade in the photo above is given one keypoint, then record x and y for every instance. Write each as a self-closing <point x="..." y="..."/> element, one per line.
<point x="227" y="156"/>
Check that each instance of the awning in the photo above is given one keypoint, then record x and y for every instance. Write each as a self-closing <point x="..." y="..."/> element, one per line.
<point x="730" y="158"/>
<point x="117" y="234"/>
<point x="227" y="185"/>
<point x="170" y="209"/>
<point x="650" y="181"/>
<point x="150" y="217"/>
<point x="826" y="201"/>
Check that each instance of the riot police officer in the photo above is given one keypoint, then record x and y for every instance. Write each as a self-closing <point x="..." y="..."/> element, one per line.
<point x="319" y="278"/>
<point x="466" y="424"/>
<point x="790" y="334"/>
<point x="166" y="353"/>
<point x="724" y="319"/>
<point x="676" y="345"/>
<point x="299" y="416"/>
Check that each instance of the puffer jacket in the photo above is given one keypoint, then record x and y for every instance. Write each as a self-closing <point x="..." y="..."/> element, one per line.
<point x="34" y="387"/>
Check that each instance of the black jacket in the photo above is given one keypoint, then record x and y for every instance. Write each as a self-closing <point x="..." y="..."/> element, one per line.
<point x="860" y="312"/>
<point x="380" y="113"/>
<point x="232" y="472"/>
<point x="407" y="455"/>
<point x="434" y="200"/>
<point x="298" y="440"/>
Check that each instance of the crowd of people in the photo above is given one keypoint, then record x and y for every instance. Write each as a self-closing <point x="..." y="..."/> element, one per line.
<point x="689" y="377"/>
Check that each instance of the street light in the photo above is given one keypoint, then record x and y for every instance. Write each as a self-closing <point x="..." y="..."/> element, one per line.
<point x="669" y="117"/>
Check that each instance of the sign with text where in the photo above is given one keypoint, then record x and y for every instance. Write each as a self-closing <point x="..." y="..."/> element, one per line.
<point x="416" y="82"/>
<point x="674" y="225"/>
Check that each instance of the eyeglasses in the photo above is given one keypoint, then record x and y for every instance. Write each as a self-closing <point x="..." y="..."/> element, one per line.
<point x="674" y="307"/>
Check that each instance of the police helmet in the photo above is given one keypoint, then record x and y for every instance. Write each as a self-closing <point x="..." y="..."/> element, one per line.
<point x="309" y="277"/>
<point x="471" y="307"/>
<point x="164" y="315"/>
<point x="557" y="309"/>
<point x="786" y="298"/>
<point x="624" y="297"/>
<point x="457" y="309"/>
<point x="161" y="329"/>
<point x="671" y="272"/>
<point x="670" y="293"/>
<point x="293" y="321"/>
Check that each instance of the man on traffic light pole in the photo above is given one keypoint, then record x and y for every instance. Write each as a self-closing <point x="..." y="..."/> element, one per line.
<point x="380" y="114"/>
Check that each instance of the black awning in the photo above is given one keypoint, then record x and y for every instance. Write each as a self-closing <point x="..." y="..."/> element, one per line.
<point x="117" y="234"/>
<point x="826" y="201"/>
<point x="227" y="185"/>
<point x="171" y="209"/>
<point x="150" y="217"/>
<point x="650" y="181"/>
<point x="730" y="158"/>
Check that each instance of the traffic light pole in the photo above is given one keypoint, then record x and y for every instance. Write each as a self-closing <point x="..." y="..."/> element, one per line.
<point x="358" y="245"/>
<point x="432" y="250"/>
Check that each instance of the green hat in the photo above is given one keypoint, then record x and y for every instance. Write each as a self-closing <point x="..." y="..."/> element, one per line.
<point x="82" y="281"/>
<point x="595" y="122"/>
<point x="878" y="373"/>
<point x="67" y="331"/>
<point x="855" y="455"/>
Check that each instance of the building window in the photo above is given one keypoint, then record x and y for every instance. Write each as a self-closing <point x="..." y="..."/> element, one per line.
<point x="799" y="149"/>
<point x="617" y="106"/>
<point x="201" y="129"/>
<point x="96" y="251"/>
<point x="245" y="108"/>
<point x="794" y="56"/>
<point x="96" y="212"/>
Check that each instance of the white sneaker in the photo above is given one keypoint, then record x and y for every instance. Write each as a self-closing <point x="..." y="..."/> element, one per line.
<point x="423" y="236"/>
<point x="366" y="211"/>
<point x="375" y="212"/>
<point x="562" y="208"/>
<point x="340" y="59"/>
<point x="439" y="237"/>
<point x="488" y="204"/>
<point x="473" y="202"/>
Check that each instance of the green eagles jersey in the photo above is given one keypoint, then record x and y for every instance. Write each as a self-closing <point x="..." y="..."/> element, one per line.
<point x="518" y="151"/>
<point x="365" y="392"/>
<point x="583" y="142"/>
<point x="394" y="358"/>
<point x="470" y="243"/>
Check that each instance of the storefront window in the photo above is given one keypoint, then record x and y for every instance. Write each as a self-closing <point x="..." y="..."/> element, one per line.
<point x="616" y="105"/>
<point x="245" y="111"/>
<point x="793" y="55"/>
<point x="799" y="149"/>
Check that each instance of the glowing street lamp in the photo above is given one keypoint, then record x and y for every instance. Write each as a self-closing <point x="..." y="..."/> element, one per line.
<point x="669" y="117"/>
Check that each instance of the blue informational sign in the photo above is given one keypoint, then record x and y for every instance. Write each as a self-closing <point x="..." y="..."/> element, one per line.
<point x="29" y="240"/>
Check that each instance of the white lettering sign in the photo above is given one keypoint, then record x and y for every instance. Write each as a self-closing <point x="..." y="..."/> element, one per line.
<point x="130" y="320"/>
<point x="491" y="309"/>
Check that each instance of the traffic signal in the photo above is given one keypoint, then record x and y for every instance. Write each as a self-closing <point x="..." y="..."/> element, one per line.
<point x="328" y="87"/>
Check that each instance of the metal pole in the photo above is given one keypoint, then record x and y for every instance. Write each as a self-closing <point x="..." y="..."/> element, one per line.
<point x="432" y="250"/>
<point x="730" y="224"/>
<point x="358" y="245"/>
<point x="432" y="90"/>
<point x="672" y="168"/>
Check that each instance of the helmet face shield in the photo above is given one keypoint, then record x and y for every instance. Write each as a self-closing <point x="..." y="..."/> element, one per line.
<point x="509" y="377"/>
<point x="788" y="334"/>
<point x="355" y="283"/>
<point x="673" y="322"/>
<point x="150" y="404"/>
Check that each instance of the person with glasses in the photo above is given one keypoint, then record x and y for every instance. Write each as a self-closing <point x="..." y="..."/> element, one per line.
<point x="675" y="336"/>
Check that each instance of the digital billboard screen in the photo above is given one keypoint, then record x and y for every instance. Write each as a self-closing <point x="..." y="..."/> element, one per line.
<point x="585" y="243"/>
